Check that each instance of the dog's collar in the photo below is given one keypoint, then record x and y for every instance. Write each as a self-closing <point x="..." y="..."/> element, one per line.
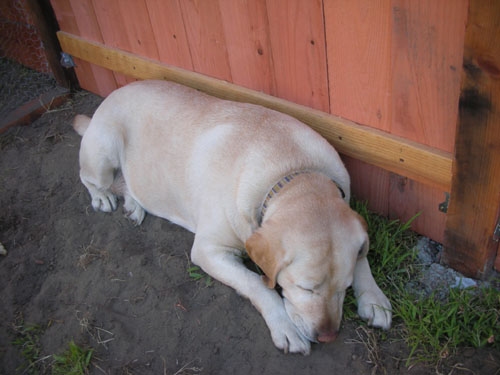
<point x="279" y="186"/>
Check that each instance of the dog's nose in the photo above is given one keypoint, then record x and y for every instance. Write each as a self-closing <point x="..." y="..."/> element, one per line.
<point x="328" y="336"/>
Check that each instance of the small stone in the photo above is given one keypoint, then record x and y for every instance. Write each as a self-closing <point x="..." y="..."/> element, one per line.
<point x="464" y="282"/>
<point x="426" y="252"/>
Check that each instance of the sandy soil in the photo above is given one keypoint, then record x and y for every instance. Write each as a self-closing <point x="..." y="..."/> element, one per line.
<point x="125" y="290"/>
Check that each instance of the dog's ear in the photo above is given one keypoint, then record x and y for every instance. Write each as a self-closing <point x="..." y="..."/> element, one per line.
<point x="267" y="259"/>
<point x="363" y="222"/>
<point x="363" y="251"/>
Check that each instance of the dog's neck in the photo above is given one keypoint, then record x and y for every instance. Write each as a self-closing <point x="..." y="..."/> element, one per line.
<point x="278" y="186"/>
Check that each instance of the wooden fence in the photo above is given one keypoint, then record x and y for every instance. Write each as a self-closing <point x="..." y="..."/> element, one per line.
<point x="394" y="67"/>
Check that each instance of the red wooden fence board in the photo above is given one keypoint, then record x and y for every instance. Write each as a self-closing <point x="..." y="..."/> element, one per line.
<point x="358" y="37"/>
<point x="395" y="65"/>
<point x="426" y="67"/>
<point x="66" y="18"/>
<point x="170" y="34"/>
<point x="205" y="34"/>
<point x="358" y="43"/>
<point x="89" y="28"/>
<point x="112" y="29"/>
<point x="370" y="184"/>
<point x="427" y="48"/>
<point x="408" y="197"/>
<point x="298" y="49"/>
<point x="137" y="28"/>
<point x="246" y="30"/>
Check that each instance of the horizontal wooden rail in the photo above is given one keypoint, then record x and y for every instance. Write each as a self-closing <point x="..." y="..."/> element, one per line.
<point x="411" y="159"/>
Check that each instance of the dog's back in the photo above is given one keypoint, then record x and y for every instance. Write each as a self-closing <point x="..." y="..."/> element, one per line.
<point x="189" y="143"/>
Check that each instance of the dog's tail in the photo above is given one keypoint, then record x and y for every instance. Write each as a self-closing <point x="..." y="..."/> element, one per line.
<point x="81" y="123"/>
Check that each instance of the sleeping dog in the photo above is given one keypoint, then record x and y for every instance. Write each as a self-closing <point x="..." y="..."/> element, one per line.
<point x="243" y="178"/>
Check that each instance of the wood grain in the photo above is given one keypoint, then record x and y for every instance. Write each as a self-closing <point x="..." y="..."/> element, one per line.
<point x="393" y="66"/>
<point x="92" y="78"/>
<point x="111" y="25"/>
<point x="475" y="195"/>
<point x="393" y="153"/>
<point x="358" y="39"/>
<point x="246" y="30"/>
<point x="369" y="184"/>
<point x="426" y="54"/>
<point x="89" y="28"/>
<point x="169" y="33"/>
<point x="126" y="24"/>
<point x="408" y="198"/>
<point x="425" y="67"/>
<point x="359" y="67"/>
<point x="205" y="35"/>
<point x="298" y="51"/>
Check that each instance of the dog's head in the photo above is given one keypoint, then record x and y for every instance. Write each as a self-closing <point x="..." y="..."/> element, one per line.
<point x="310" y="247"/>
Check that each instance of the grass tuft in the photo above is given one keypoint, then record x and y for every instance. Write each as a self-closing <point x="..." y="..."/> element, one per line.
<point x="433" y="329"/>
<point x="28" y="343"/>
<point x="195" y="273"/>
<point x="74" y="361"/>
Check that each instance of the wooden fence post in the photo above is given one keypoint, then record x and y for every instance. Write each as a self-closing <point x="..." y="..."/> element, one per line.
<point x="470" y="244"/>
<point x="46" y="25"/>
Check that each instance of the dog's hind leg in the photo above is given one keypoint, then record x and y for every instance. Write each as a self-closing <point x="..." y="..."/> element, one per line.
<point x="97" y="168"/>
<point x="102" y="198"/>
<point x="133" y="210"/>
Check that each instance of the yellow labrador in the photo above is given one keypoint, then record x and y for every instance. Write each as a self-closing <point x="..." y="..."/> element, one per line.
<point x="241" y="177"/>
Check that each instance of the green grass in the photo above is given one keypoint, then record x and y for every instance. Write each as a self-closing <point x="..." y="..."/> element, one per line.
<point x="74" y="361"/>
<point x="28" y="344"/>
<point x="195" y="273"/>
<point x="432" y="329"/>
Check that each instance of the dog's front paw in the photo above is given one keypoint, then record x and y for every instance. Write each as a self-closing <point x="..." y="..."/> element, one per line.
<point x="286" y="336"/>
<point x="104" y="201"/>
<point x="375" y="308"/>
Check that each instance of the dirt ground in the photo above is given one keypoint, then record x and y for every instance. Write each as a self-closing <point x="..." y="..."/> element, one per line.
<point x="125" y="291"/>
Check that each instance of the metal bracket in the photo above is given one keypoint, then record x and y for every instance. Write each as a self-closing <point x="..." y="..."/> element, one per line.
<point x="443" y="206"/>
<point x="67" y="60"/>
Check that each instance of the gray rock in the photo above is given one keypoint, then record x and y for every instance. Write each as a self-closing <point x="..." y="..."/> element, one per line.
<point x="438" y="279"/>
<point x="426" y="251"/>
<point x="464" y="282"/>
